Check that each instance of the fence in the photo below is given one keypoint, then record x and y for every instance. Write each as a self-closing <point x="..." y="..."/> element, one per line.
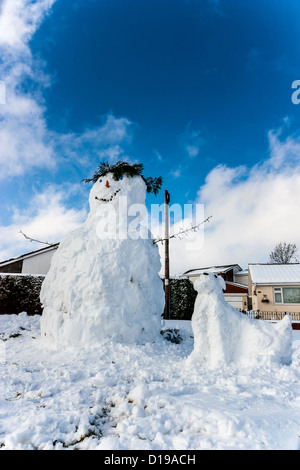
<point x="295" y="316"/>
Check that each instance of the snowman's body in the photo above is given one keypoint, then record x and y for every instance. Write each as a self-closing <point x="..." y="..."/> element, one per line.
<point x="103" y="283"/>
<point x="222" y="335"/>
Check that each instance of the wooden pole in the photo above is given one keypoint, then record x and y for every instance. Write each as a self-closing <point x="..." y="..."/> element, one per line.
<point x="167" y="260"/>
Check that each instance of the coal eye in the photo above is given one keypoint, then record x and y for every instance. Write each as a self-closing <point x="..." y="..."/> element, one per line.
<point x="121" y="177"/>
<point x="100" y="181"/>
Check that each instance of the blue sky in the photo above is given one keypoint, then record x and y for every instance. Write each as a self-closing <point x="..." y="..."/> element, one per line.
<point x="199" y="91"/>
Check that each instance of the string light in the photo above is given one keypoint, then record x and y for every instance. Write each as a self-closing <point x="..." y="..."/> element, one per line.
<point x="179" y="235"/>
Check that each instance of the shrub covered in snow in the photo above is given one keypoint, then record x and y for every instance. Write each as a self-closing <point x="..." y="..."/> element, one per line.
<point x="19" y="293"/>
<point x="172" y="334"/>
<point x="182" y="299"/>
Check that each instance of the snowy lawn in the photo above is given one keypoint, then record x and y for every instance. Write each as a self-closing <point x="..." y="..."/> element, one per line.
<point x="121" y="397"/>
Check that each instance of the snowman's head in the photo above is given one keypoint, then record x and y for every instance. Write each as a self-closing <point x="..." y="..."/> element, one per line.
<point x="209" y="283"/>
<point x="107" y="191"/>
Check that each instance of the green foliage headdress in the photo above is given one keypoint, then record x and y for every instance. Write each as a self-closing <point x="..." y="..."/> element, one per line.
<point x="122" y="168"/>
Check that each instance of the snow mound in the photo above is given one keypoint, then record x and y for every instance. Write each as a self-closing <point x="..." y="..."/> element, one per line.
<point x="222" y="335"/>
<point x="103" y="283"/>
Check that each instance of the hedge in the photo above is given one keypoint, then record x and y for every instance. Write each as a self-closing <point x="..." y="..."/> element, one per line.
<point x="20" y="293"/>
<point x="182" y="298"/>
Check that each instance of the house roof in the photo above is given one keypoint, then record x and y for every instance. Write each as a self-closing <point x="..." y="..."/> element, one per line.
<point x="29" y="254"/>
<point x="275" y="274"/>
<point x="242" y="273"/>
<point x="213" y="269"/>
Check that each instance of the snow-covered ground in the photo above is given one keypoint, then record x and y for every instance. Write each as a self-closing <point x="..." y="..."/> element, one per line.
<point x="125" y="397"/>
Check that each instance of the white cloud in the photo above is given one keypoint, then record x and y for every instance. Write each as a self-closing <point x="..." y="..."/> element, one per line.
<point x="176" y="173"/>
<point x="19" y="20"/>
<point x="104" y="141"/>
<point x="252" y="210"/>
<point x="46" y="218"/>
<point x="157" y="155"/>
<point x="284" y="152"/>
<point x="192" y="141"/>
<point x="25" y="140"/>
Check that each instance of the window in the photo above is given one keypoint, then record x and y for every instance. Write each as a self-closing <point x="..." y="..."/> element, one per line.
<point x="286" y="295"/>
<point x="277" y="295"/>
<point x="291" y="295"/>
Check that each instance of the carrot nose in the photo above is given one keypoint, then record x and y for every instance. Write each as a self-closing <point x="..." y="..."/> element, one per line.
<point x="107" y="184"/>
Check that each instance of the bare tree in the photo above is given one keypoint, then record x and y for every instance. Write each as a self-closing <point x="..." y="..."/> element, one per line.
<point x="284" y="253"/>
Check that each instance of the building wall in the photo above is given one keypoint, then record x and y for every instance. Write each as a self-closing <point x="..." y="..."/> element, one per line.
<point x="227" y="276"/>
<point x="39" y="263"/>
<point x="232" y="288"/>
<point x="238" y="301"/>
<point x="193" y="278"/>
<point x="270" y="306"/>
<point x="14" y="267"/>
<point x="241" y="279"/>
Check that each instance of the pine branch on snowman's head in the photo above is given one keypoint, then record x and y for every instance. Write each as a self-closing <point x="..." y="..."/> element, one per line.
<point x="122" y="168"/>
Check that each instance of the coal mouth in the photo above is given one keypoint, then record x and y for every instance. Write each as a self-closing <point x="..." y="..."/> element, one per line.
<point x="111" y="197"/>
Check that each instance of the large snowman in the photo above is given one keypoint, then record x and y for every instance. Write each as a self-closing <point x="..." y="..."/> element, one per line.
<point x="103" y="283"/>
<point x="224" y="336"/>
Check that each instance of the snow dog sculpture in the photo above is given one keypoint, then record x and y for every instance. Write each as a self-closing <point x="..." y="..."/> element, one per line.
<point x="223" y="335"/>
